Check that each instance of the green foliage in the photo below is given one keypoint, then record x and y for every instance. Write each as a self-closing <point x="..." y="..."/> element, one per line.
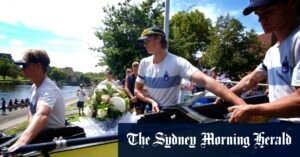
<point x="227" y="45"/>
<point x="189" y="32"/>
<point x="14" y="71"/>
<point x="231" y="49"/>
<point x="57" y="74"/>
<point x="67" y="75"/>
<point x="123" y="25"/>
<point x="8" y="68"/>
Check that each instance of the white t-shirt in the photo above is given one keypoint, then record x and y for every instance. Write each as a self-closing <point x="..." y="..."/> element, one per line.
<point x="162" y="80"/>
<point x="48" y="93"/>
<point x="104" y="82"/>
<point x="81" y="93"/>
<point x="281" y="65"/>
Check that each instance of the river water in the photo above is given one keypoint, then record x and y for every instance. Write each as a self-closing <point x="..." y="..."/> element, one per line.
<point x="24" y="91"/>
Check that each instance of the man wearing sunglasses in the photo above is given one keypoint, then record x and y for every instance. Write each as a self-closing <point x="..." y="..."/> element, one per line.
<point x="161" y="74"/>
<point x="47" y="107"/>
<point x="281" y="65"/>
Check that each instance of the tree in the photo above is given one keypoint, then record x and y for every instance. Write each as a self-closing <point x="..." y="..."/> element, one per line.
<point x="84" y="78"/>
<point x="231" y="49"/>
<point x="123" y="26"/>
<point x="14" y="71"/>
<point x="5" y="65"/>
<point x="189" y="32"/>
<point x="56" y="74"/>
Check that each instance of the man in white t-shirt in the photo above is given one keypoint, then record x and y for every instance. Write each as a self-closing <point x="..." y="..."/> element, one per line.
<point x="109" y="79"/>
<point x="81" y="93"/>
<point x="281" y="65"/>
<point x="47" y="107"/>
<point x="161" y="73"/>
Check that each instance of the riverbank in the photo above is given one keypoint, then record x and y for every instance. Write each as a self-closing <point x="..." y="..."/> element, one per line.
<point x="14" y="82"/>
<point x="14" y="118"/>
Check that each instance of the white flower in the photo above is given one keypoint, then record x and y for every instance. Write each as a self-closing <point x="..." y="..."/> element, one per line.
<point x="116" y="94"/>
<point x="118" y="103"/>
<point x="105" y="98"/>
<point x="101" y="113"/>
<point x="88" y="111"/>
<point x="93" y="96"/>
<point x="101" y="87"/>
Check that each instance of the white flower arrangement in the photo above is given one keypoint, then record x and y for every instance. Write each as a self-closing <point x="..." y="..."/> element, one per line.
<point x="107" y="102"/>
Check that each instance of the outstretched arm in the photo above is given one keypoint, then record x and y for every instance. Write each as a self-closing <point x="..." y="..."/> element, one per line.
<point x="216" y="88"/>
<point x="248" y="82"/>
<point x="285" y="107"/>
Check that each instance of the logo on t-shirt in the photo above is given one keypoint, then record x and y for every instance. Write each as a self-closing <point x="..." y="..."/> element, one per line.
<point x="166" y="76"/>
<point x="285" y="65"/>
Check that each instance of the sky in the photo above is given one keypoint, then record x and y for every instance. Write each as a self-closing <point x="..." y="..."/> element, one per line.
<point x="65" y="28"/>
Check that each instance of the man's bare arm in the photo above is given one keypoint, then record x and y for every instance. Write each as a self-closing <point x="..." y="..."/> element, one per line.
<point x="138" y="91"/>
<point x="36" y="125"/>
<point x="216" y="88"/>
<point x="248" y="82"/>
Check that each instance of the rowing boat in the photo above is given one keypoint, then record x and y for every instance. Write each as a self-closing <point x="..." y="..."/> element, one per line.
<point x="108" y="145"/>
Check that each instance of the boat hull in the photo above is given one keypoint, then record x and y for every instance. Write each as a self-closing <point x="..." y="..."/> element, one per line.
<point x="109" y="148"/>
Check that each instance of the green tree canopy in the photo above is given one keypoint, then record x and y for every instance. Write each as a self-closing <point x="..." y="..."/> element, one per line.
<point x="232" y="50"/>
<point x="8" y="68"/>
<point x="14" y="71"/>
<point x="57" y="74"/>
<point x="123" y="25"/>
<point x="189" y="32"/>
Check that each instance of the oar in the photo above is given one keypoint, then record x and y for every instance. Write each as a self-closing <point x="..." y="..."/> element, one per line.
<point x="48" y="146"/>
<point x="9" y="142"/>
<point x="196" y="116"/>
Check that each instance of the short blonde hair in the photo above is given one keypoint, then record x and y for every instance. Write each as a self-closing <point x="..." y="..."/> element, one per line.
<point x="135" y="63"/>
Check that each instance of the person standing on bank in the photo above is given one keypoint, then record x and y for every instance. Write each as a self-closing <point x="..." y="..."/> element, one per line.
<point x="81" y="93"/>
<point x="281" y="65"/>
<point x="47" y="107"/>
<point x="3" y="105"/>
<point x="162" y="72"/>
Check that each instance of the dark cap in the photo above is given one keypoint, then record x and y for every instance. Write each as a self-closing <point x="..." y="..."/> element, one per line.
<point x="151" y="31"/>
<point x="255" y="4"/>
<point x="35" y="56"/>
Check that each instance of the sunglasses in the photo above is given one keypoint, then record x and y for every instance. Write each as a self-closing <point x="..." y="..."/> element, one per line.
<point x="24" y="66"/>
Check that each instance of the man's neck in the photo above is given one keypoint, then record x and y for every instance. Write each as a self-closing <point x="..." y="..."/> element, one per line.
<point x="159" y="56"/>
<point x="39" y="80"/>
<point x="286" y="30"/>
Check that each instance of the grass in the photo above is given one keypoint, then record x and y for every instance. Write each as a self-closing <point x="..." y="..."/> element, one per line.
<point x="71" y="107"/>
<point x="16" y="129"/>
<point x="73" y="117"/>
<point x="22" y="126"/>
